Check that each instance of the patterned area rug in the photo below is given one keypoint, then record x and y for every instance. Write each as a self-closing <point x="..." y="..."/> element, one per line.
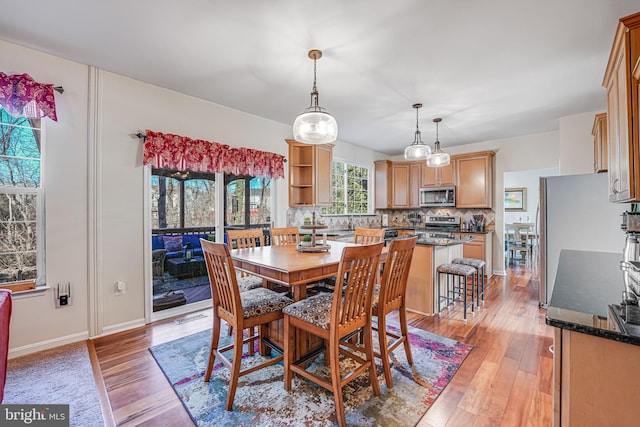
<point x="262" y="401"/>
<point x="170" y="283"/>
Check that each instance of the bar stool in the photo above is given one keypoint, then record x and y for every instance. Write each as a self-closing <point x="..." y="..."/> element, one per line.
<point x="463" y="273"/>
<point x="478" y="264"/>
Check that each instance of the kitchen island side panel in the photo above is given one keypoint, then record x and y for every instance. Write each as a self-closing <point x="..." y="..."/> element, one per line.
<point x="421" y="284"/>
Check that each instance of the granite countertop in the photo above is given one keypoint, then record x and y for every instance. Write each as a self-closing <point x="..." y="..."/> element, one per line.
<point x="438" y="241"/>
<point x="586" y="292"/>
<point x="474" y="232"/>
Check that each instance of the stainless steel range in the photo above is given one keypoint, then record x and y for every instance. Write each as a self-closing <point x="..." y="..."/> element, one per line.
<point x="441" y="226"/>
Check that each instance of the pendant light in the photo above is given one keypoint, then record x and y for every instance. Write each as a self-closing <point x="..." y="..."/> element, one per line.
<point x="418" y="150"/>
<point x="438" y="158"/>
<point x="315" y="125"/>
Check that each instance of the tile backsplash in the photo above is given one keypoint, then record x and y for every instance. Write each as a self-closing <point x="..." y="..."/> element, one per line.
<point x="397" y="217"/>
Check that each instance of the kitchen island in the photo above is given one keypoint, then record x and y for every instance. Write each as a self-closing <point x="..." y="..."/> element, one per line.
<point x="596" y="355"/>
<point x="427" y="256"/>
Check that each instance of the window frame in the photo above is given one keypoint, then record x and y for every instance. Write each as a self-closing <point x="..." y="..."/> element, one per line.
<point x="346" y="164"/>
<point x="38" y="284"/>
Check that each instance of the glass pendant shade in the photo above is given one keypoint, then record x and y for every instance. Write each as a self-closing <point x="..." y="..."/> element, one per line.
<point x="315" y="125"/>
<point x="418" y="150"/>
<point x="438" y="158"/>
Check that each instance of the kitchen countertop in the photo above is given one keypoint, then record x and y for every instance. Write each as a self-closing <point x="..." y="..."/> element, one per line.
<point x="586" y="296"/>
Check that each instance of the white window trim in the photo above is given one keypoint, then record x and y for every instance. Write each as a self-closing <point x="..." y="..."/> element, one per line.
<point x="370" y="193"/>
<point x="41" y="282"/>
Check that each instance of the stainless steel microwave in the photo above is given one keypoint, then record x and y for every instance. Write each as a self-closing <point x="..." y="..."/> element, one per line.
<point x="437" y="196"/>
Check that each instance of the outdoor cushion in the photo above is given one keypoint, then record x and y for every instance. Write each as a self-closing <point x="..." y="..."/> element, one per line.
<point x="172" y="243"/>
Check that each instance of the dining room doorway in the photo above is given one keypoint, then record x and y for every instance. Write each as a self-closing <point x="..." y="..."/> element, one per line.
<point x="521" y="216"/>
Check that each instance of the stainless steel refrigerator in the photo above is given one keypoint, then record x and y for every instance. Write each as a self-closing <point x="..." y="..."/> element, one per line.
<point x="575" y="214"/>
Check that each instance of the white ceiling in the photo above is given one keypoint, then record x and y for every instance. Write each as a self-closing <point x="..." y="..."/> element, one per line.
<point x="491" y="69"/>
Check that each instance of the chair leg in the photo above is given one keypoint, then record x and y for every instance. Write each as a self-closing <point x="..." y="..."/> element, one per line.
<point x="368" y="349"/>
<point x="235" y="370"/>
<point x="384" y="350"/>
<point x="288" y="352"/>
<point x="336" y="379"/>
<point x="405" y="333"/>
<point x="215" y="338"/>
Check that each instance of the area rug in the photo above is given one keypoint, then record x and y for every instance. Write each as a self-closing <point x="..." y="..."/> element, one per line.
<point x="61" y="375"/>
<point x="262" y="401"/>
<point x="170" y="283"/>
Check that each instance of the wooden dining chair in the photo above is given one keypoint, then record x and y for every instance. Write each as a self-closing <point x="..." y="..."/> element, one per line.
<point x="241" y="239"/>
<point x="391" y="296"/>
<point x="285" y="236"/>
<point x="246" y="310"/>
<point x="367" y="236"/>
<point x="334" y="317"/>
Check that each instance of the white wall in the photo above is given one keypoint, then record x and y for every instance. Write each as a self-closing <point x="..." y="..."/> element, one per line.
<point x="36" y="320"/>
<point x="576" y="144"/>
<point x="529" y="179"/>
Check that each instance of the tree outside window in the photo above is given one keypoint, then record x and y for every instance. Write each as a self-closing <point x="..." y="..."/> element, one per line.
<point x="349" y="189"/>
<point x="21" y="211"/>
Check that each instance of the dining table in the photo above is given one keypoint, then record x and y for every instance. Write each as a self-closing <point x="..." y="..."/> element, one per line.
<point x="286" y="266"/>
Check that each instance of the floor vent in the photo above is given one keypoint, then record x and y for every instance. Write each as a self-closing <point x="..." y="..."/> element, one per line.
<point x="189" y="318"/>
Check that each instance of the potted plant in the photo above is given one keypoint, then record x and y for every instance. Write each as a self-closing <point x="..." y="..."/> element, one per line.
<point x="306" y="240"/>
<point x="307" y="220"/>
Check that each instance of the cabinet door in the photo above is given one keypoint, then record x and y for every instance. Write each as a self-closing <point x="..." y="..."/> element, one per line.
<point x="474" y="180"/>
<point x="323" y="175"/>
<point x="437" y="177"/>
<point x="474" y="250"/>
<point x="600" y="150"/>
<point x="414" y="184"/>
<point x="618" y="131"/>
<point x="400" y="185"/>
<point x="382" y="184"/>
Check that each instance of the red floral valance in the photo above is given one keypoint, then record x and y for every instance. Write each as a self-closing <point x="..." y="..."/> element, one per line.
<point x="165" y="150"/>
<point x="21" y="96"/>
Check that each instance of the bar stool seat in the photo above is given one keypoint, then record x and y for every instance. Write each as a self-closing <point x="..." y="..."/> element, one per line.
<point x="478" y="264"/>
<point x="463" y="273"/>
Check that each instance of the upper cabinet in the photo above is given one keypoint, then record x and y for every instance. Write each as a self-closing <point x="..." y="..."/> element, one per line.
<point x="437" y="177"/>
<point x="309" y="174"/>
<point x="600" y="150"/>
<point x="622" y="112"/>
<point x="474" y="179"/>
<point x="397" y="184"/>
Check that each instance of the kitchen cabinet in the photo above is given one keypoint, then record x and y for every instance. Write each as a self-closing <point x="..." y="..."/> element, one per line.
<point x="474" y="180"/>
<point x="623" y="112"/>
<point x="600" y="150"/>
<point x="437" y="177"/>
<point x="397" y="184"/>
<point x="592" y="381"/>
<point x="309" y="174"/>
<point x="479" y="248"/>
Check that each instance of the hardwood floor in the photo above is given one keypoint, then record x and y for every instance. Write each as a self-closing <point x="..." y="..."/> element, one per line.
<point x="506" y="379"/>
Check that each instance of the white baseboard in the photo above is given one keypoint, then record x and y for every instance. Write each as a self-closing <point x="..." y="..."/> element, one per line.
<point x="120" y="327"/>
<point x="500" y="272"/>
<point x="47" y="344"/>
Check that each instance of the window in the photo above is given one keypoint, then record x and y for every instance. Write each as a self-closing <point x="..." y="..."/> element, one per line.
<point x="182" y="199"/>
<point x="186" y="199"/>
<point x="349" y="189"/>
<point x="21" y="200"/>
<point x="248" y="201"/>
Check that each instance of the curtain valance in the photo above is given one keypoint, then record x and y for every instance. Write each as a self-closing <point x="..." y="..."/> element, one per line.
<point x="165" y="150"/>
<point x="22" y="96"/>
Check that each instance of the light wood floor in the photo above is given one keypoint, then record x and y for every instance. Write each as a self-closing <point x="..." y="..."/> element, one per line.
<point x="506" y="379"/>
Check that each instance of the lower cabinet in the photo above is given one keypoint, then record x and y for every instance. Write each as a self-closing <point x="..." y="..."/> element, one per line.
<point x="595" y="380"/>
<point x="479" y="248"/>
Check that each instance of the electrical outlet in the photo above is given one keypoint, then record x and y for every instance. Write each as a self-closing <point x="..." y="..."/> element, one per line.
<point x="120" y="287"/>
<point x="64" y="300"/>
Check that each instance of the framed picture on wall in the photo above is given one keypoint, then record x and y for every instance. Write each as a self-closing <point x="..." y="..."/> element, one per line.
<point x="515" y="199"/>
